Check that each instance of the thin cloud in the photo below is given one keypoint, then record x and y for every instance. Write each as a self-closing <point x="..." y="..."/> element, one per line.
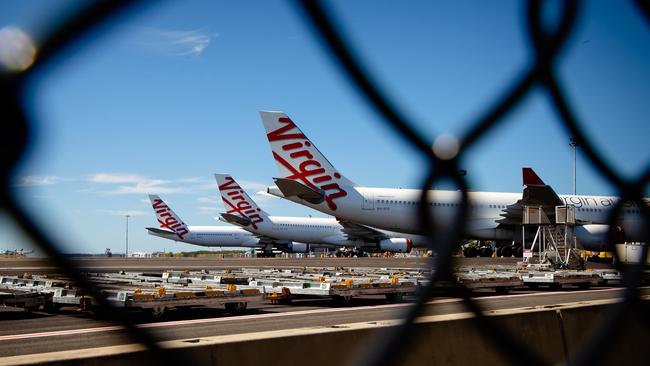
<point x="208" y="200"/>
<point x="107" y="178"/>
<point x="250" y="185"/>
<point x="124" y="212"/>
<point x="37" y="180"/>
<point x="191" y="180"/>
<point x="174" y="42"/>
<point x="204" y="209"/>
<point x="134" y="184"/>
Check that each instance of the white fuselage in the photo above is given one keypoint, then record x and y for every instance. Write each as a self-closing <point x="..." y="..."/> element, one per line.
<point x="314" y="230"/>
<point x="213" y="236"/>
<point x="396" y="210"/>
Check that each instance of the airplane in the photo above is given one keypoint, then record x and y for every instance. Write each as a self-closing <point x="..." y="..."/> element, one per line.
<point x="18" y="252"/>
<point x="308" y="178"/>
<point x="173" y="228"/>
<point x="343" y="234"/>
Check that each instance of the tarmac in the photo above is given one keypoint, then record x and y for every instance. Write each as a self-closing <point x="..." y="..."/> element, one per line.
<point x="32" y="333"/>
<point x="13" y="266"/>
<point x="23" y="333"/>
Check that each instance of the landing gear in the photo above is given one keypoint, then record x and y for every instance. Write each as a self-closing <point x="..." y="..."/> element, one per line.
<point x="520" y="251"/>
<point x="350" y="253"/>
<point x="485" y="252"/>
<point x="470" y="252"/>
<point x="499" y="251"/>
<point x="359" y="253"/>
<point x="477" y="249"/>
<point x="265" y="255"/>
<point x="506" y="251"/>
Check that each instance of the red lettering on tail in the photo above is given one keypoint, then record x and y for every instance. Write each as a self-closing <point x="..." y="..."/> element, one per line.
<point x="309" y="171"/>
<point x="169" y="222"/>
<point x="279" y="134"/>
<point x="241" y="205"/>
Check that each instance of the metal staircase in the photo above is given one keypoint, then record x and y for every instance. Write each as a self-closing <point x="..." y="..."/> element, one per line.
<point x="554" y="239"/>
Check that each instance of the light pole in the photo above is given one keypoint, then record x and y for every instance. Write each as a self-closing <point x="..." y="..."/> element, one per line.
<point x="574" y="144"/>
<point x="126" y="252"/>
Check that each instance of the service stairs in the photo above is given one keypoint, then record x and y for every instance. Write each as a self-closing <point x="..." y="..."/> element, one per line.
<point x="560" y="249"/>
<point x="554" y="241"/>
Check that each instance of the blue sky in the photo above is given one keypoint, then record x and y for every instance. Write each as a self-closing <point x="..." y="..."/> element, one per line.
<point x="169" y="95"/>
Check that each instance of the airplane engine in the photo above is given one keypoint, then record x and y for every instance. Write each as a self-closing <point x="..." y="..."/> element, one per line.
<point x="395" y="245"/>
<point x="594" y="237"/>
<point x="295" y="247"/>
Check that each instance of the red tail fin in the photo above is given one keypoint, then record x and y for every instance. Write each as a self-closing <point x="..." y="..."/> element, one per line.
<point x="531" y="178"/>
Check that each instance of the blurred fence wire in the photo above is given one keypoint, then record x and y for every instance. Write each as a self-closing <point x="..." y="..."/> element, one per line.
<point x="541" y="72"/>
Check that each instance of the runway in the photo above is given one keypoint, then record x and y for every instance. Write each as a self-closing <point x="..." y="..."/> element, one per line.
<point x="24" y="333"/>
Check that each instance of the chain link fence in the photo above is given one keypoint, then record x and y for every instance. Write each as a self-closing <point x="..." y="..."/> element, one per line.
<point x="541" y="72"/>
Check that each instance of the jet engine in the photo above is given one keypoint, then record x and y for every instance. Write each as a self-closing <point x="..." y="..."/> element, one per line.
<point x="395" y="245"/>
<point x="594" y="237"/>
<point x="295" y="247"/>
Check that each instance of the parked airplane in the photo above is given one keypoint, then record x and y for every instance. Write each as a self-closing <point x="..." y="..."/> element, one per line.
<point x="173" y="228"/>
<point x="243" y="211"/>
<point x="308" y="178"/>
<point x="18" y="252"/>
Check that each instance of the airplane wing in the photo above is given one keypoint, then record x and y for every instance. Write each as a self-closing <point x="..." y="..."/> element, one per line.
<point x="536" y="193"/>
<point x="264" y="239"/>
<point x="236" y="219"/>
<point x="290" y="188"/>
<point x="356" y="231"/>
<point x="160" y="231"/>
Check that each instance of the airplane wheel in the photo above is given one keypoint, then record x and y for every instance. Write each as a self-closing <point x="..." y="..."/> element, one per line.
<point x="499" y="251"/>
<point x="506" y="251"/>
<point x="520" y="251"/>
<point x="486" y="252"/>
<point x="471" y="252"/>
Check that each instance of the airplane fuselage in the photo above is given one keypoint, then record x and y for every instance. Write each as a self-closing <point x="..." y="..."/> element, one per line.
<point x="396" y="210"/>
<point x="326" y="231"/>
<point x="212" y="236"/>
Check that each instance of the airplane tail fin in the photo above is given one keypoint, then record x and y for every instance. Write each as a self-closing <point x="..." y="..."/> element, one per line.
<point x="167" y="218"/>
<point x="297" y="158"/>
<point x="530" y="178"/>
<point x="238" y="202"/>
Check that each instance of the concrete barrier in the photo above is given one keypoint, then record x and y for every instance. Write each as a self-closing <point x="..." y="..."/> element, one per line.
<point x="554" y="332"/>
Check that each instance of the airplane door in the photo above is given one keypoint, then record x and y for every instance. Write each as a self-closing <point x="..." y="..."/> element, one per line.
<point x="369" y="201"/>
